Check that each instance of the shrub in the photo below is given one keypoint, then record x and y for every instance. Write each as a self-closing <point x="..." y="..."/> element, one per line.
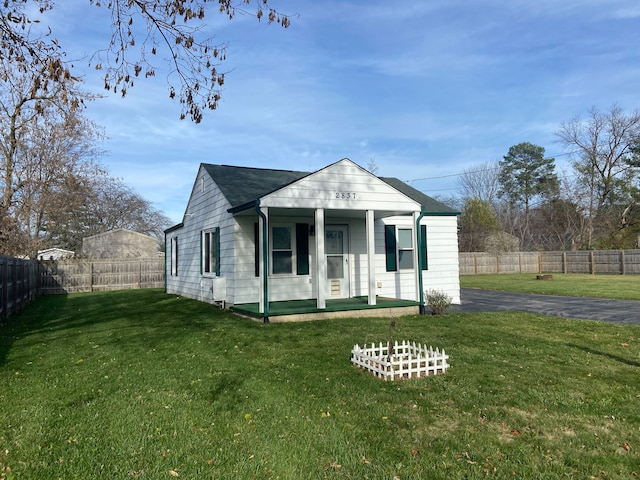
<point x="439" y="301"/>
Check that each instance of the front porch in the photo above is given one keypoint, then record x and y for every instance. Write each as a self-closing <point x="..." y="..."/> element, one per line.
<point x="305" y="310"/>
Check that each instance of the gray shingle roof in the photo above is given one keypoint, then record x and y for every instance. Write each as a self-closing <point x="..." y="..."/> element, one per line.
<point x="242" y="186"/>
<point x="429" y="205"/>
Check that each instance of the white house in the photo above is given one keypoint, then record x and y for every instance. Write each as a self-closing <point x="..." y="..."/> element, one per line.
<point x="259" y="237"/>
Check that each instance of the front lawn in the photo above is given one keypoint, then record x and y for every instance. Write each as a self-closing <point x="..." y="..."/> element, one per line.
<point x="621" y="287"/>
<point x="140" y="384"/>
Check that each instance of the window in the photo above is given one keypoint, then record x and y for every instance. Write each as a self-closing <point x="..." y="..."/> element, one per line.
<point x="289" y="248"/>
<point x="399" y="248"/>
<point x="174" y="256"/>
<point x="210" y="251"/>
<point x="281" y="250"/>
<point x="405" y="248"/>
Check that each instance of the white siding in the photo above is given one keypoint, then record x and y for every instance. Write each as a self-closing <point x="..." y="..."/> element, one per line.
<point x="247" y="286"/>
<point x="244" y="287"/>
<point x="341" y="186"/>
<point x="442" y="256"/>
<point x="442" y="248"/>
<point x="206" y="210"/>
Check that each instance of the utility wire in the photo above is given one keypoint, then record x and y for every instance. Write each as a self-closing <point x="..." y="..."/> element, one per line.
<point x="477" y="171"/>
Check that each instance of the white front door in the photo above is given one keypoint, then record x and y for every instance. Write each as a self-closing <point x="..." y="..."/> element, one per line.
<point x="336" y="249"/>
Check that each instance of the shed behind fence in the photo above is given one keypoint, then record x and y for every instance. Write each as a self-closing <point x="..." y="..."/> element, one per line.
<point x="89" y="276"/>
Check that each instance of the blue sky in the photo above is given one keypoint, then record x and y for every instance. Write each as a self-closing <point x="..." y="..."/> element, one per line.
<point x="425" y="89"/>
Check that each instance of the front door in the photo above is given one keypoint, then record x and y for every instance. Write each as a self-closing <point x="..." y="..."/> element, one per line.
<point x="336" y="249"/>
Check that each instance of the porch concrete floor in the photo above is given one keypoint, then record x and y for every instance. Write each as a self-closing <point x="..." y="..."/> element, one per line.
<point x="301" y="310"/>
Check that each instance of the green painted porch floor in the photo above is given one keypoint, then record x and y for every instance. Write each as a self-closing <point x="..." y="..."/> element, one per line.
<point x="294" y="307"/>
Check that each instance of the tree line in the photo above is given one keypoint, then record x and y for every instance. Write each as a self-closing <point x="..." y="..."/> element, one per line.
<point x="522" y="202"/>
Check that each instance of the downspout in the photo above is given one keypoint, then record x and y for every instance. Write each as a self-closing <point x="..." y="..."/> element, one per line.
<point x="422" y="307"/>
<point x="265" y="263"/>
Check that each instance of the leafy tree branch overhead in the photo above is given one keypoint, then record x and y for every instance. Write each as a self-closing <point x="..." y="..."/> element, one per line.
<point x="144" y="33"/>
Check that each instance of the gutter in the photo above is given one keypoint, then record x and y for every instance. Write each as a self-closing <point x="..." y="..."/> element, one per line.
<point x="265" y="262"/>
<point x="422" y="307"/>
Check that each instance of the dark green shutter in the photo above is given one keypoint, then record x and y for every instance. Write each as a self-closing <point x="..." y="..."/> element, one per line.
<point x="256" y="243"/>
<point x="302" y="248"/>
<point x="424" y="259"/>
<point x="217" y="253"/>
<point x="201" y="255"/>
<point x="390" y="247"/>
<point x="176" y="265"/>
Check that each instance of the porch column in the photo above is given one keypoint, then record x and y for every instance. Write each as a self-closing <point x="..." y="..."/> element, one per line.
<point x="321" y="262"/>
<point x="263" y="226"/>
<point x="371" y="256"/>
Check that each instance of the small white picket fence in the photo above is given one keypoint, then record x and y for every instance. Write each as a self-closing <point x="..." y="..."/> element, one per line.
<point x="407" y="360"/>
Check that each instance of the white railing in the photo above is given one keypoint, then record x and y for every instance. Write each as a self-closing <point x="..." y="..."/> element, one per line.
<point x="404" y="360"/>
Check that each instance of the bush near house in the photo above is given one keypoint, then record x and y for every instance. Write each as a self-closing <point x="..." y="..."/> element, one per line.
<point x="439" y="301"/>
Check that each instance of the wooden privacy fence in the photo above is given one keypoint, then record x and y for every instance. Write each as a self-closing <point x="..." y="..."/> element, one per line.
<point x="18" y="284"/>
<point x="616" y="262"/>
<point x="69" y="276"/>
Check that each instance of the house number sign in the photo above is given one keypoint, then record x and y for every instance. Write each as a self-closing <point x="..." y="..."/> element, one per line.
<point x="346" y="195"/>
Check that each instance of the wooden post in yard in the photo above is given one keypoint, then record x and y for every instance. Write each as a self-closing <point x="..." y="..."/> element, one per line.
<point x="539" y="262"/>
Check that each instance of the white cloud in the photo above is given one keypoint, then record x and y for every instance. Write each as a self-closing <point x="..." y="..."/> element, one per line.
<point x="424" y="89"/>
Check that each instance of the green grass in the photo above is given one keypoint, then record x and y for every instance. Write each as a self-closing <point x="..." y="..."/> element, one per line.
<point x="140" y="384"/>
<point x="622" y="287"/>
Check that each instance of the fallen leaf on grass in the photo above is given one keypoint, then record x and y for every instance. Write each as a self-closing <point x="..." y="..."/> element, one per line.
<point x="173" y="473"/>
<point x="468" y="458"/>
<point x="626" y="446"/>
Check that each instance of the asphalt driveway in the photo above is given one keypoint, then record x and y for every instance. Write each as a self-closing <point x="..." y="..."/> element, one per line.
<point x="604" y="310"/>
